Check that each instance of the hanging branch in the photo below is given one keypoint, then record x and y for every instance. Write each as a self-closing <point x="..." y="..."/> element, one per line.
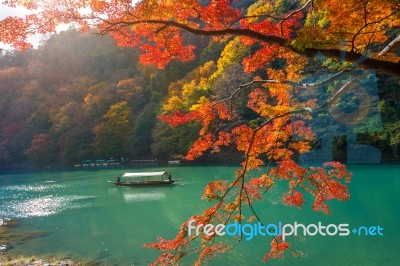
<point x="389" y="46"/>
<point x="347" y="72"/>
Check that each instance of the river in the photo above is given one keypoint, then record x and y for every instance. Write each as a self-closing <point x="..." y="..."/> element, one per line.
<point x="83" y="216"/>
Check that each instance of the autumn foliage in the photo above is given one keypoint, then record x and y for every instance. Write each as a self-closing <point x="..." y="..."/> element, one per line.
<point x="276" y="41"/>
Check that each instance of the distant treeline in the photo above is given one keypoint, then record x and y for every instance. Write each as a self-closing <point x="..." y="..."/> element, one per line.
<point x="80" y="97"/>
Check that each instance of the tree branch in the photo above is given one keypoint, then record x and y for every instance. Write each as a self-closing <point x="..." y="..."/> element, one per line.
<point x="308" y="3"/>
<point x="314" y="85"/>
<point x="389" y="46"/>
<point x="228" y="31"/>
<point x="280" y="19"/>
<point x="379" y="65"/>
<point x="387" y="67"/>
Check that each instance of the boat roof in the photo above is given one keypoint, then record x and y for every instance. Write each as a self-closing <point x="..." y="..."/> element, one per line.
<point x="140" y="174"/>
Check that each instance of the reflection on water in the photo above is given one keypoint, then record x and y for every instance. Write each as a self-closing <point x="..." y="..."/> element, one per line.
<point x="43" y="206"/>
<point x="33" y="188"/>
<point x="134" y="197"/>
<point x="37" y="200"/>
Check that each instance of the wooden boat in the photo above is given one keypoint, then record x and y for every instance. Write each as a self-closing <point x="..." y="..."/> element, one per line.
<point x="144" y="179"/>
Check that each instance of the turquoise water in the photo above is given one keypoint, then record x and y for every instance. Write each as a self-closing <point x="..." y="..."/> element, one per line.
<point x="83" y="216"/>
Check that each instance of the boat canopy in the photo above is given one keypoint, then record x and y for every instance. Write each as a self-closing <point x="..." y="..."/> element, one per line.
<point x="142" y="174"/>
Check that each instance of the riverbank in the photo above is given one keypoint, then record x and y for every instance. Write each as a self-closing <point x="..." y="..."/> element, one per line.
<point x="8" y="239"/>
<point x="35" y="261"/>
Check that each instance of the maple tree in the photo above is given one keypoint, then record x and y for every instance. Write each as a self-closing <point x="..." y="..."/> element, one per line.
<point x="277" y="41"/>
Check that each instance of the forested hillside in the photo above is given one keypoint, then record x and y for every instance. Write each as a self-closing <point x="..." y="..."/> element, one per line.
<point x="79" y="96"/>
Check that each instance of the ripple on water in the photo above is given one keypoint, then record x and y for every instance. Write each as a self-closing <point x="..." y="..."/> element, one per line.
<point x="33" y="188"/>
<point x="44" y="206"/>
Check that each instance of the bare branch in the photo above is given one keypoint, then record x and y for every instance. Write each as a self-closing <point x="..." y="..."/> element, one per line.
<point x="231" y="97"/>
<point x="389" y="46"/>
<point x="281" y="19"/>
<point x="335" y="96"/>
<point x="314" y="85"/>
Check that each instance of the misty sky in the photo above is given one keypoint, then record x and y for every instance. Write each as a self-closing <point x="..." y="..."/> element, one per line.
<point x="8" y="11"/>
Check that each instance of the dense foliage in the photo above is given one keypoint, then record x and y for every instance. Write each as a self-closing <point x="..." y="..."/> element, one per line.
<point x="79" y="97"/>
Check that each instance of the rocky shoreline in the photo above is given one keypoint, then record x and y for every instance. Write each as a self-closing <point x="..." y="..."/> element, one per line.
<point x="8" y="239"/>
<point x="34" y="261"/>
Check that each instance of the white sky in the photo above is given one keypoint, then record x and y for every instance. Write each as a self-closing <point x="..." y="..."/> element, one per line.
<point x="6" y="11"/>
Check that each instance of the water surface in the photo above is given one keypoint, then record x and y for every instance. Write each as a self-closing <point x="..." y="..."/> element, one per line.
<point x="83" y="216"/>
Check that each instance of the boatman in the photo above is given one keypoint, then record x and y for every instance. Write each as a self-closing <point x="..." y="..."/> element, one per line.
<point x="118" y="178"/>
<point x="169" y="177"/>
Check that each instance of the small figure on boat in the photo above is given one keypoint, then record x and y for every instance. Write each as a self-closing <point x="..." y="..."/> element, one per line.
<point x="118" y="178"/>
<point x="169" y="177"/>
